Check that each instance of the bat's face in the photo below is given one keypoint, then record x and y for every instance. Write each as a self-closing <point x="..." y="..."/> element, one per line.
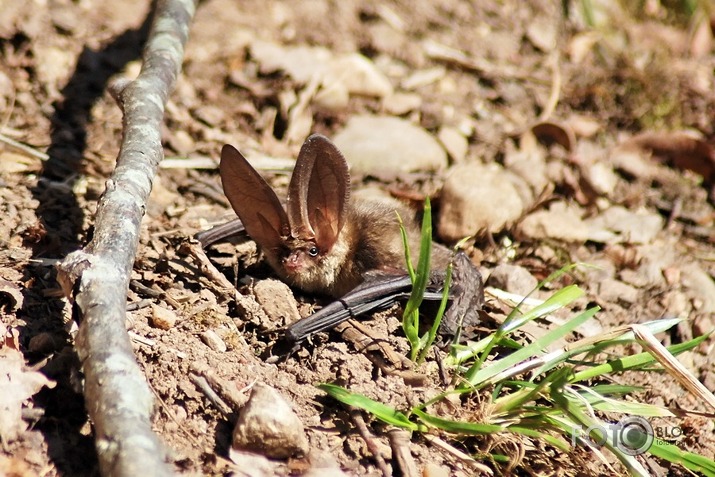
<point x="302" y="263"/>
<point x="304" y="243"/>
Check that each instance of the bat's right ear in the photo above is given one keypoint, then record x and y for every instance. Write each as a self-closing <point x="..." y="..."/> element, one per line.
<point x="319" y="191"/>
<point x="253" y="200"/>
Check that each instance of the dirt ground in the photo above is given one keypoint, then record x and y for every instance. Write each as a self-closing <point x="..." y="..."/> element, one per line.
<point x="557" y="98"/>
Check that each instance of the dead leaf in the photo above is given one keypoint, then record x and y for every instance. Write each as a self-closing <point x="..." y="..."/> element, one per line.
<point x="701" y="42"/>
<point x="549" y="132"/>
<point x="18" y="385"/>
<point x="11" y="298"/>
<point x="681" y="150"/>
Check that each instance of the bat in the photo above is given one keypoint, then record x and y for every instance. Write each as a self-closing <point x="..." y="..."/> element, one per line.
<point x="323" y="242"/>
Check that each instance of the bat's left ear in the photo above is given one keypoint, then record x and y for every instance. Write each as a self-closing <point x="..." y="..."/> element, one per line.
<point x="319" y="191"/>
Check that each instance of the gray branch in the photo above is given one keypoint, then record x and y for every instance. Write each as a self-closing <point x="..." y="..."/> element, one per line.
<point x="118" y="399"/>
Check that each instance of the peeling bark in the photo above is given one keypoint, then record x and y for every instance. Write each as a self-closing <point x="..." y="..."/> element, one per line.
<point x="117" y="396"/>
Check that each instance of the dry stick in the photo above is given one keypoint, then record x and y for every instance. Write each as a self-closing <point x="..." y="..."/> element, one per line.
<point x="370" y="442"/>
<point x="400" y="443"/>
<point x="118" y="399"/>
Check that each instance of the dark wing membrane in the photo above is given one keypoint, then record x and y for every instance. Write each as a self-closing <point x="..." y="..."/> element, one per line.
<point x="381" y="290"/>
<point x="376" y="293"/>
<point x="373" y="294"/>
<point x="319" y="191"/>
<point x="215" y="234"/>
<point x="252" y="199"/>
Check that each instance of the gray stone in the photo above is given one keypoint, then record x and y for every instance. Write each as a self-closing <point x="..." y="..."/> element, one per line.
<point x="477" y="197"/>
<point x="513" y="279"/>
<point x="389" y="145"/>
<point x="700" y="286"/>
<point x="614" y="291"/>
<point x="268" y="425"/>
<point x="562" y="221"/>
<point x="618" y="224"/>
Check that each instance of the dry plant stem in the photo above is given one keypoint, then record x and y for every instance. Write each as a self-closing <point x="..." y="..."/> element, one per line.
<point x="118" y="399"/>
<point x="400" y="444"/>
<point x="370" y="442"/>
<point x="465" y="459"/>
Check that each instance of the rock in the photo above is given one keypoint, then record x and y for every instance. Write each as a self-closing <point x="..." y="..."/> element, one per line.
<point x="648" y="274"/>
<point x="210" y="114"/>
<point x="250" y="464"/>
<point x="543" y="32"/>
<point x="422" y="78"/>
<point x="513" y="279"/>
<point x="54" y="65"/>
<point x="162" y="318"/>
<point x="401" y="103"/>
<point x="618" y="225"/>
<point x="299" y="62"/>
<point x="389" y="145"/>
<point x="602" y="178"/>
<point x="277" y="300"/>
<point x="699" y="286"/>
<point x="348" y="75"/>
<point x="181" y="142"/>
<point x="358" y="75"/>
<point x="454" y="142"/>
<point x="323" y="465"/>
<point x="562" y="221"/>
<point x="268" y="425"/>
<point x="213" y="341"/>
<point x="477" y="197"/>
<point x="434" y="470"/>
<point x="614" y="291"/>
<point x="339" y="77"/>
<point x="528" y="162"/>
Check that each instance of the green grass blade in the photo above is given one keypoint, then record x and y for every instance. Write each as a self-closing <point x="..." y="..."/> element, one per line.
<point x="377" y="409"/>
<point x="674" y="454"/>
<point x="633" y="362"/>
<point x="553" y="440"/>
<point x="406" y="246"/>
<point x="457" y="427"/>
<point x="411" y="316"/>
<point x="478" y="377"/>
<point x="438" y="317"/>
<point x="560" y="299"/>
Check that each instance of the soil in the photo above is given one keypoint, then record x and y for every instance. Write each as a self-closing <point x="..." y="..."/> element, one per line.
<point x="504" y="67"/>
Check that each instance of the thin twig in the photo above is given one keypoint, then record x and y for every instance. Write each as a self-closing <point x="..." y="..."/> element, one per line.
<point x="400" y="443"/>
<point x="370" y="442"/>
<point x="203" y="385"/>
<point x="118" y="398"/>
<point x="466" y="459"/>
<point x="24" y="148"/>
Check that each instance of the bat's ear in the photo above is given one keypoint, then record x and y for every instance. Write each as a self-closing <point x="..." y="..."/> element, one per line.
<point x="319" y="191"/>
<point x="253" y="200"/>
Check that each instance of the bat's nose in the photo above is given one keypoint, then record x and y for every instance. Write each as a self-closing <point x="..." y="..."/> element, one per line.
<point x="292" y="261"/>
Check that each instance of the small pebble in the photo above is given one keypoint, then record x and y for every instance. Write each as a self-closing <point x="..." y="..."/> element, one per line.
<point x="513" y="279"/>
<point x="268" y="425"/>
<point x="213" y="341"/>
<point x="162" y="318"/>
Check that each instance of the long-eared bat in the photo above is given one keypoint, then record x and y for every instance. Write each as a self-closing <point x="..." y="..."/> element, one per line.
<point x="323" y="242"/>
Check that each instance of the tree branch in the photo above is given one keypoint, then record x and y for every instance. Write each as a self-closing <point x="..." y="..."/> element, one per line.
<point x="118" y="399"/>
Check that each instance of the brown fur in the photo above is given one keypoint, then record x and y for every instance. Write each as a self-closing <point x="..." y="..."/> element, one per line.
<point x="324" y="242"/>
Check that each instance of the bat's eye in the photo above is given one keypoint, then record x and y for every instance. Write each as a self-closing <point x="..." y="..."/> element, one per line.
<point x="313" y="251"/>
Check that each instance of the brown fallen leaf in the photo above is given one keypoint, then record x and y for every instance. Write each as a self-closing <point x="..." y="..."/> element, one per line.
<point x="11" y="297"/>
<point x="679" y="149"/>
<point x="18" y="384"/>
<point x="549" y="132"/>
